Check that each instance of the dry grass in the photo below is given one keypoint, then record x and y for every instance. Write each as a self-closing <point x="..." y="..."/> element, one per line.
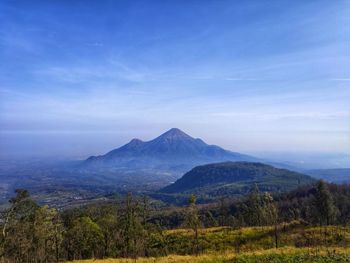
<point x="287" y="252"/>
<point x="298" y="243"/>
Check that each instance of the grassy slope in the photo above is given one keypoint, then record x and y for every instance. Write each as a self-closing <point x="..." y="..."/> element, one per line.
<point x="286" y="254"/>
<point x="297" y="244"/>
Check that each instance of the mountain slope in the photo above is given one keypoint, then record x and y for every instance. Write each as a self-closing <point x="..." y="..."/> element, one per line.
<point x="172" y="144"/>
<point x="236" y="178"/>
<point x="173" y="153"/>
<point x="336" y="175"/>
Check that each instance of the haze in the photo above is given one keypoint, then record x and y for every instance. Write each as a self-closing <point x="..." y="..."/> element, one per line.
<point x="79" y="79"/>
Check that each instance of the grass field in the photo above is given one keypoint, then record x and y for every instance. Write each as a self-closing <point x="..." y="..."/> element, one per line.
<point x="249" y="239"/>
<point x="286" y="254"/>
<point x="297" y="243"/>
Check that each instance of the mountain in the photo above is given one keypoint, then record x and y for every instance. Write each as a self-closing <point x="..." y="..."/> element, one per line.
<point x="236" y="178"/>
<point x="164" y="158"/>
<point x="173" y="147"/>
<point x="337" y="175"/>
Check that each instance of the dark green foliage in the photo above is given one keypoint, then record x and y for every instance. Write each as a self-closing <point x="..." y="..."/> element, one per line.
<point x="258" y="209"/>
<point x="48" y="233"/>
<point x="29" y="231"/>
<point x="132" y="229"/>
<point x="236" y="178"/>
<point x="137" y="226"/>
<point x="86" y="238"/>
<point x="323" y="209"/>
<point x="109" y="224"/>
<point x="193" y="222"/>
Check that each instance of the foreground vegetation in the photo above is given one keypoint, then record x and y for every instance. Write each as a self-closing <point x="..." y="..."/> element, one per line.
<point x="286" y="254"/>
<point x="310" y="224"/>
<point x="298" y="243"/>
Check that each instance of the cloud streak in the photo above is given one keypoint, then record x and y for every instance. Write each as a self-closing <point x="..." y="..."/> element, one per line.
<point x="243" y="75"/>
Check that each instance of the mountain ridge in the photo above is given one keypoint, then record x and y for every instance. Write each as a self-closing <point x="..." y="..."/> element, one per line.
<point x="173" y="152"/>
<point x="172" y="142"/>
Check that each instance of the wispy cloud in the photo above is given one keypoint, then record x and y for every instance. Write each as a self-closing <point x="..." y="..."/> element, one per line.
<point x="241" y="74"/>
<point x="341" y="79"/>
<point x="241" y="79"/>
<point x="291" y="115"/>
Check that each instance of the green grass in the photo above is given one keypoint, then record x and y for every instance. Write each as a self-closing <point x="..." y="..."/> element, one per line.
<point x="282" y="255"/>
<point x="297" y="243"/>
<point x="256" y="238"/>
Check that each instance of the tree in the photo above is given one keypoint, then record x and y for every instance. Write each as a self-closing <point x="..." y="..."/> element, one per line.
<point x="145" y="225"/>
<point x="18" y="228"/>
<point x="20" y="205"/>
<point x="47" y="234"/>
<point x="270" y="214"/>
<point x="260" y="210"/>
<point x="132" y="228"/>
<point x="223" y="212"/>
<point x="109" y="224"/>
<point x="208" y="219"/>
<point x="252" y="208"/>
<point x="193" y="221"/>
<point x="86" y="238"/>
<point x="58" y="231"/>
<point x="323" y="209"/>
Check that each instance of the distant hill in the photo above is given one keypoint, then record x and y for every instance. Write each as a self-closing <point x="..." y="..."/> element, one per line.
<point x="339" y="175"/>
<point x="236" y="178"/>
<point x="164" y="158"/>
<point x="136" y="166"/>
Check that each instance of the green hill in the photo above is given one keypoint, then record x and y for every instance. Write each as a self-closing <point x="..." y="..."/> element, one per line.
<point x="236" y="178"/>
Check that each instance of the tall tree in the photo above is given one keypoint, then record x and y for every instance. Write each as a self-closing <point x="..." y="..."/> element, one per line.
<point x="323" y="209"/>
<point x="132" y="227"/>
<point x="252" y="209"/>
<point x="270" y="214"/>
<point x="47" y="234"/>
<point x="223" y="212"/>
<point x="18" y="227"/>
<point x="145" y="225"/>
<point x="109" y="224"/>
<point x="193" y="221"/>
<point x="85" y="238"/>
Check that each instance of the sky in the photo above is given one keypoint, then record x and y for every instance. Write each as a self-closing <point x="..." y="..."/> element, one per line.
<point x="79" y="78"/>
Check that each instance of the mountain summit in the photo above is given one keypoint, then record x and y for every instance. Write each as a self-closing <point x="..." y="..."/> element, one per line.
<point x="172" y="153"/>
<point x="174" y="133"/>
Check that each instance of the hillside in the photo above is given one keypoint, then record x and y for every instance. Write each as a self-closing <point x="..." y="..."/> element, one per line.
<point x="290" y="255"/>
<point x="249" y="244"/>
<point x="236" y="178"/>
<point x="340" y="175"/>
<point x="138" y="228"/>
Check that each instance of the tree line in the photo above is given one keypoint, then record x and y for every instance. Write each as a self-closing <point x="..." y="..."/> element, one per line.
<point x="135" y="226"/>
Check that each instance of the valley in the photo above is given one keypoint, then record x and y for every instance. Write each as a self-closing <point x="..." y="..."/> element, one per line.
<point x="173" y="199"/>
<point x="148" y="167"/>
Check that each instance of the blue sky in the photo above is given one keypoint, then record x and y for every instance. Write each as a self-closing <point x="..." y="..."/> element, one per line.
<point x="81" y="77"/>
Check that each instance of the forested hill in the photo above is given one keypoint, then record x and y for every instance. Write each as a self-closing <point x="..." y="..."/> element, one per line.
<point x="236" y="178"/>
